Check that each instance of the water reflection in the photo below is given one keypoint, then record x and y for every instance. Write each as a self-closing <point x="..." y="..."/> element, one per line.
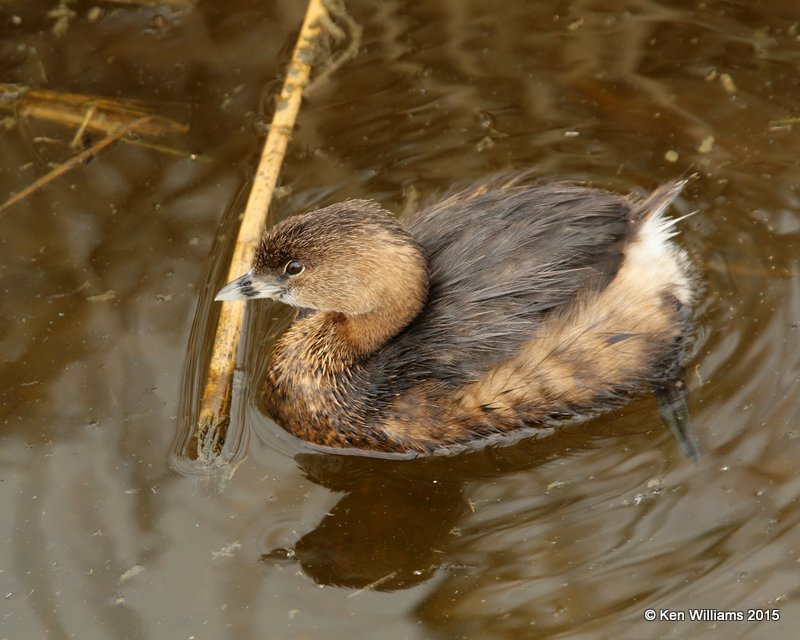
<point x="388" y="530"/>
<point x="395" y="525"/>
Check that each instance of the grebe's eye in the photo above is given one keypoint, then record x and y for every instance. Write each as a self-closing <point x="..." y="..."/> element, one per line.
<point x="294" y="268"/>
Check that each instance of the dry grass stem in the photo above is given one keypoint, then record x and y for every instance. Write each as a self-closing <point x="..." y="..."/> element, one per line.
<point x="73" y="162"/>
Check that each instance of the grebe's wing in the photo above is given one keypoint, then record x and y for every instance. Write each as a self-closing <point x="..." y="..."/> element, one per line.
<point x="501" y="258"/>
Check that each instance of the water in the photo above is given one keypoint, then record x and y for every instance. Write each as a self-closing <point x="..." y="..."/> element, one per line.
<point x="104" y="272"/>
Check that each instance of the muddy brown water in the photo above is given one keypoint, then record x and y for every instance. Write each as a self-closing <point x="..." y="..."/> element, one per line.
<point x="107" y="277"/>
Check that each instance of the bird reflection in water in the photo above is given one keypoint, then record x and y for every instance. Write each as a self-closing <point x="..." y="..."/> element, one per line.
<point x="399" y="521"/>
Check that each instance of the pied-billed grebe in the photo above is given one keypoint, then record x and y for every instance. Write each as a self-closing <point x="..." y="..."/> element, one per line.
<point x="503" y="307"/>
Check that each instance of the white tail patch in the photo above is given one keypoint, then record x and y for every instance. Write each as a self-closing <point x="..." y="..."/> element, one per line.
<point x="652" y="261"/>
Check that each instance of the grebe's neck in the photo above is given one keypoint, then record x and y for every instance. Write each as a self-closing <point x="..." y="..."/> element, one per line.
<point x="334" y="340"/>
<point x="359" y="336"/>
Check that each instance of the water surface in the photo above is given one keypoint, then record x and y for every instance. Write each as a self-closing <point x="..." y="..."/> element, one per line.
<point x="104" y="273"/>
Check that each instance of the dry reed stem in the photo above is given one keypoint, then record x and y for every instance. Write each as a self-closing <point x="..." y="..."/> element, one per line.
<point x="74" y="161"/>
<point x="87" y="120"/>
<point x="216" y="398"/>
<point x="174" y="4"/>
<point x="93" y="113"/>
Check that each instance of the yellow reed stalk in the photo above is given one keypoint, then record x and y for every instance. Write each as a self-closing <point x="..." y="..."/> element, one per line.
<point x="216" y="399"/>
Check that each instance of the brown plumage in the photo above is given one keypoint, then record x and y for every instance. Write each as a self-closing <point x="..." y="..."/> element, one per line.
<point x="502" y="309"/>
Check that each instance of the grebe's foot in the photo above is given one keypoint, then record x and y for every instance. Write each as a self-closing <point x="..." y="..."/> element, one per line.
<point x="672" y="399"/>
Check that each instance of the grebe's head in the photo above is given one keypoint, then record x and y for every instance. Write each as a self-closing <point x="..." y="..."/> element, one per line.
<point x="352" y="257"/>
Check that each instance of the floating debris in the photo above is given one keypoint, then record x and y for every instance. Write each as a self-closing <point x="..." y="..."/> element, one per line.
<point x="706" y="145"/>
<point x="134" y="571"/>
<point x="62" y="14"/>
<point x="103" y="297"/>
<point x="727" y="83"/>
<point x="227" y="550"/>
